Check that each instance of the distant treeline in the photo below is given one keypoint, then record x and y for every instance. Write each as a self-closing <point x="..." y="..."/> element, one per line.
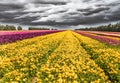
<point x="9" y="27"/>
<point x="110" y="27"/>
<point x="33" y="28"/>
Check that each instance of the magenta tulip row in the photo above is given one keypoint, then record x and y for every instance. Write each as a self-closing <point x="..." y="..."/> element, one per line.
<point x="12" y="36"/>
<point x="100" y="38"/>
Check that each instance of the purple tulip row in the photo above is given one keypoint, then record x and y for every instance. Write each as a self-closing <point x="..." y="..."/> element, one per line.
<point x="100" y="38"/>
<point x="8" y="37"/>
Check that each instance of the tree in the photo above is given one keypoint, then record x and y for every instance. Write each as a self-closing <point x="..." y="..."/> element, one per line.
<point x="19" y="28"/>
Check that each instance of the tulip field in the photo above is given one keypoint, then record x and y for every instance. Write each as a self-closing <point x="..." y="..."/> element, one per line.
<point x="59" y="57"/>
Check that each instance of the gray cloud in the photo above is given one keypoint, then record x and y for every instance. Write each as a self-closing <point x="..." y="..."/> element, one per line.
<point x="59" y="12"/>
<point x="55" y="2"/>
<point x="94" y="11"/>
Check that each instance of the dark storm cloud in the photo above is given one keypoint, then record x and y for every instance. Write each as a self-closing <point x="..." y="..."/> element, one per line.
<point x="6" y="7"/>
<point x="98" y="10"/>
<point x="9" y="11"/>
<point x="84" y="10"/>
<point x="50" y="2"/>
<point x="59" y="12"/>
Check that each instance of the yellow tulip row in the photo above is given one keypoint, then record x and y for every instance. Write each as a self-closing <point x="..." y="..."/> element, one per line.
<point x="70" y="63"/>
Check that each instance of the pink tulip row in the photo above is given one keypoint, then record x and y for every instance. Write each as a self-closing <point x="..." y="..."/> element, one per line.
<point x="107" y="34"/>
<point x="12" y="36"/>
<point x="24" y="31"/>
<point x="100" y="38"/>
<point x="113" y="32"/>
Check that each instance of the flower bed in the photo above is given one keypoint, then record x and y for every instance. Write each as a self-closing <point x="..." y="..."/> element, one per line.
<point x="12" y="36"/>
<point x="100" y="38"/>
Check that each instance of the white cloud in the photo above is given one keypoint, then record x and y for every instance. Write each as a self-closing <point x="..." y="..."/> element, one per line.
<point x="52" y="17"/>
<point x="10" y="11"/>
<point x="14" y="1"/>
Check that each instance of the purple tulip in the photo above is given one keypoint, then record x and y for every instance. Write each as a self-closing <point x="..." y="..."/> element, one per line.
<point x="12" y="36"/>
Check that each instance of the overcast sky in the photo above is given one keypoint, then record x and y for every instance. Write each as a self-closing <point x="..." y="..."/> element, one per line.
<point x="62" y="13"/>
